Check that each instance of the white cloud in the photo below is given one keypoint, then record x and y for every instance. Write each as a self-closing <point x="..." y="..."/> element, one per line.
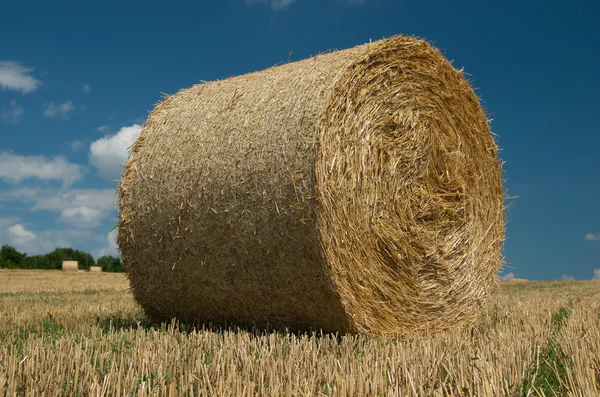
<point x="102" y="199"/>
<point x="82" y="208"/>
<point x="274" y="4"/>
<point x="15" y="169"/>
<point x="33" y="243"/>
<point x="87" y="88"/>
<point x="111" y="247"/>
<point x="506" y="277"/>
<point x="52" y="199"/>
<point x="4" y="222"/>
<point x="278" y="4"/>
<point x="76" y="145"/>
<point x="20" y="194"/>
<point x="567" y="277"/>
<point x="16" y="77"/>
<point x="58" y="110"/>
<point x="59" y="200"/>
<point x="596" y="274"/>
<point x="81" y="236"/>
<point x="82" y="216"/>
<point x="12" y="113"/>
<point x="108" y="154"/>
<point x="19" y="236"/>
<point x="592" y="237"/>
<point x="15" y="233"/>
<point x="103" y="128"/>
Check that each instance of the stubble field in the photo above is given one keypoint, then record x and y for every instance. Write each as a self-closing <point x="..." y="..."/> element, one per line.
<point x="82" y="334"/>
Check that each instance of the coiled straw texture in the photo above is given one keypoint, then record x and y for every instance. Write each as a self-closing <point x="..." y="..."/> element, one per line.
<point x="359" y="191"/>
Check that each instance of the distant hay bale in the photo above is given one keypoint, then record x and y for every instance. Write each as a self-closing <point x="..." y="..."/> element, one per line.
<point x="70" y="266"/>
<point x="358" y="191"/>
<point x="95" y="269"/>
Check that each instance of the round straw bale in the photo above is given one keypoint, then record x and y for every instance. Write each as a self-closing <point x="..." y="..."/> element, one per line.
<point x="70" y="266"/>
<point x="95" y="269"/>
<point x="359" y="191"/>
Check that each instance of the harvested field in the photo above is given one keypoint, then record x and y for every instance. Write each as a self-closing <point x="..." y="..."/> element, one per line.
<point x="531" y="339"/>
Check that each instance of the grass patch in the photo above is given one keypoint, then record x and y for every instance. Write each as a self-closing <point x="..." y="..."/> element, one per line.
<point x="116" y="322"/>
<point x="548" y="373"/>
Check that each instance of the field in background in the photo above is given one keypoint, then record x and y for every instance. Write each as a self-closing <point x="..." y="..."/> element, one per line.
<point x="82" y="334"/>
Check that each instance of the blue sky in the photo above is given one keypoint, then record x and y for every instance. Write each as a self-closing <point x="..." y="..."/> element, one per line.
<point x="77" y="81"/>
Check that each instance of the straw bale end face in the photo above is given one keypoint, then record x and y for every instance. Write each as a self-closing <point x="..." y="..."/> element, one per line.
<point x="70" y="266"/>
<point x="357" y="191"/>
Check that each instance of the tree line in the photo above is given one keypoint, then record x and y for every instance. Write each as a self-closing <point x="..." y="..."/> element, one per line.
<point x="11" y="258"/>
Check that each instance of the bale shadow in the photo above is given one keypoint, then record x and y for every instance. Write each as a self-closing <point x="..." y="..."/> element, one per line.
<point x="115" y="322"/>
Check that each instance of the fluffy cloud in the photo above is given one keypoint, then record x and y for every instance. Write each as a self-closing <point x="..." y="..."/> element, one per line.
<point x="76" y="145"/>
<point x="111" y="247"/>
<point x="592" y="237"/>
<point x="20" y="236"/>
<point x="82" y="216"/>
<point x="567" y="277"/>
<point x="281" y="4"/>
<point x="506" y="277"/>
<point x="59" y="200"/>
<point x="596" y="275"/>
<point x="275" y="4"/>
<point x="15" y="233"/>
<point x="87" y="88"/>
<point x="108" y="154"/>
<point x="33" y="243"/>
<point x="4" y="222"/>
<point x="20" y="194"/>
<point x="15" y="169"/>
<point x="12" y="112"/>
<point x="81" y="208"/>
<point x="16" y="77"/>
<point x="58" y="110"/>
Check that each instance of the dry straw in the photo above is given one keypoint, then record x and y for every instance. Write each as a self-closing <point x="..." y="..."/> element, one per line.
<point x="357" y="191"/>
<point x="70" y="266"/>
<point x="95" y="269"/>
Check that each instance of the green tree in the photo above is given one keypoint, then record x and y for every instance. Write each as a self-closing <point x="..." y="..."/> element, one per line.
<point x="10" y="258"/>
<point x="110" y="264"/>
<point x="35" y="262"/>
<point x="54" y="259"/>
